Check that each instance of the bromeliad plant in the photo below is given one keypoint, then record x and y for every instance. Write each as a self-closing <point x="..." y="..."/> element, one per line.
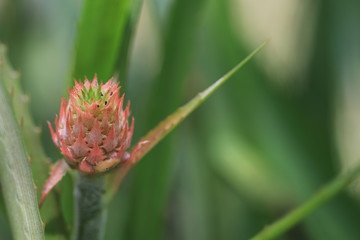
<point x="93" y="133"/>
<point x="92" y="130"/>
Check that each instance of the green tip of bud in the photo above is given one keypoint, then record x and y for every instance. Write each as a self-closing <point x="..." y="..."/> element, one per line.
<point x="92" y="94"/>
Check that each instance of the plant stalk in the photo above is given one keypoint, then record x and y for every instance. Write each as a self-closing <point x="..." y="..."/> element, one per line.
<point x="329" y="191"/>
<point x="89" y="215"/>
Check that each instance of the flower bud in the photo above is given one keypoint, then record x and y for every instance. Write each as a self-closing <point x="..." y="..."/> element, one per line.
<point x="92" y="130"/>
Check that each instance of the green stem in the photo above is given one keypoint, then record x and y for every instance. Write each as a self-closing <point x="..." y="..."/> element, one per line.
<point x="298" y="214"/>
<point x="89" y="213"/>
<point x="15" y="175"/>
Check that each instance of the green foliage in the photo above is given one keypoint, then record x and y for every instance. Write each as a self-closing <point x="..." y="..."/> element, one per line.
<point x="257" y="149"/>
<point x="99" y="37"/>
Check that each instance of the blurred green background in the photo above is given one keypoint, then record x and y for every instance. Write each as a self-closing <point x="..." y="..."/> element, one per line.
<point x="284" y="126"/>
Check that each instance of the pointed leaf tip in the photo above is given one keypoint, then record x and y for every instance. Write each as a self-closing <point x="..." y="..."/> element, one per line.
<point x="155" y="135"/>
<point x="173" y="120"/>
<point x="56" y="175"/>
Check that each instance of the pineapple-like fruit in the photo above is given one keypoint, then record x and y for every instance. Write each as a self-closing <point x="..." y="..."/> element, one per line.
<point x="92" y="130"/>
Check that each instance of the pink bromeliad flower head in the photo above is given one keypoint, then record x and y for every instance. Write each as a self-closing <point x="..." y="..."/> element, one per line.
<point x="92" y="130"/>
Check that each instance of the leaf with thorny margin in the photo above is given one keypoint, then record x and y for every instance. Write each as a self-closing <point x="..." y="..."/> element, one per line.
<point x="39" y="161"/>
<point x="17" y="183"/>
<point x="153" y="137"/>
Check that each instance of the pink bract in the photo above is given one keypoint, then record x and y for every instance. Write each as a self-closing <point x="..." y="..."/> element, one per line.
<point x="92" y="130"/>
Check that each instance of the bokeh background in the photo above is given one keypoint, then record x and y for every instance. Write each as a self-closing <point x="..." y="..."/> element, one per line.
<point x="285" y="125"/>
